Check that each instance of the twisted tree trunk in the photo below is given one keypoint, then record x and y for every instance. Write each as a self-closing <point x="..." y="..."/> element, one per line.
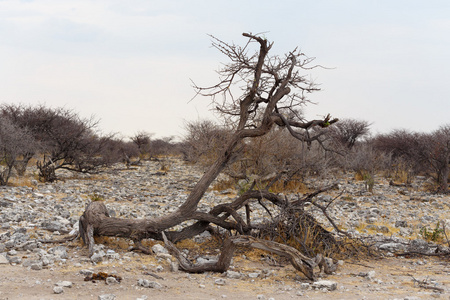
<point x="270" y="82"/>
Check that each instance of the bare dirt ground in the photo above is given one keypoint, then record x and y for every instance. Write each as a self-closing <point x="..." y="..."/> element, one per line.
<point x="388" y="278"/>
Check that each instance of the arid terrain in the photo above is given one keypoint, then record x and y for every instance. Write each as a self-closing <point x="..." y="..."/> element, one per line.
<point x="32" y="211"/>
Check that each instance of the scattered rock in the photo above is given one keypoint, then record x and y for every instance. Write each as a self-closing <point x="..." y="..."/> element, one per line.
<point x="401" y="223"/>
<point x="86" y="272"/>
<point x="97" y="257"/>
<point x="111" y="280"/>
<point x="233" y="274"/>
<point x="36" y="266"/>
<point x="67" y="284"/>
<point x="305" y="286"/>
<point x="254" y="275"/>
<point x="325" y="284"/>
<point x="157" y="248"/>
<point x="149" y="284"/>
<point x="58" y="290"/>
<point x="25" y="211"/>
<point x="3" y="260"/>
<point x="220" y="281"/>
<point x="107" y="297"/>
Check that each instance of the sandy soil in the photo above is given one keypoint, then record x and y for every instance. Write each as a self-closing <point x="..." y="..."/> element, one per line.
<point x="392" y="279"/>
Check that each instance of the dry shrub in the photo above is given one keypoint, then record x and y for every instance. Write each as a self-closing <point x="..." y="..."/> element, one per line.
<point x="293" y="186"/>
<point x="298" y="229"/>
<point x="359" y="176"/>
<point x="21" y="181"/>
<point x="113" y="242"/>
<point x="224" y="184"/>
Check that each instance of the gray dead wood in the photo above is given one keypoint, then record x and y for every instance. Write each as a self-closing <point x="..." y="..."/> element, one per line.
<point x="299" y="261"/>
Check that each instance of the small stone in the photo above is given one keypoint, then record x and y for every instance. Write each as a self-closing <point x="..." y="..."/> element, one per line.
<point x="36" y="266"/>
<point x="96" y="258"/>
<point x="401" y="223"/>
<point x="111" y="280"/>
<point x="254" y="275"/>
<point x="14" y="260"/>
<point x="305" y="285"/>
<point x="220" y="281"/>
<point x="149" y="284"/>
<point x="371" y="275"/>
<point x="12" y="252"/>
<point x="58" y="290"/>
<point x="157" y="248"/>
<point x="60" y="252"/>
<point x="86" y="272"/>
<point x="3" y="260"/>
<point x="233" y="274"/>
<point x="107" y="297"/>
<point x="260" y="297"/>
<point x="64" y="284"/>
<point x="111" y="254"/>
<point x="325" y="284"/>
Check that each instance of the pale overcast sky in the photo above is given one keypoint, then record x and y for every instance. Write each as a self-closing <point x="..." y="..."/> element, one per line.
<point x="129" y="63"/>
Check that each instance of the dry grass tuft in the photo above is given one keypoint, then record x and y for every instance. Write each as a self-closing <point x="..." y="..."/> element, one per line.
<point x="222" y="185"/>
<point x="22" y="181"/>
<point x="113" y="242"/>
<point x="293" y="186"/>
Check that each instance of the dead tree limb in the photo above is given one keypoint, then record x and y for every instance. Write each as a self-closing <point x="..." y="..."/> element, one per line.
<point x="299" y="261"/>
<point x="273" y="85"/>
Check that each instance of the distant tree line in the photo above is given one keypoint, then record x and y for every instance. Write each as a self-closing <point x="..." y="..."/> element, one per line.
<point x="346" y="146"/>
<point x="58" y="138"/>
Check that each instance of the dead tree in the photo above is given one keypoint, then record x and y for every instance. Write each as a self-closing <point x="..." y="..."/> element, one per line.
<point x="273" y="89"/>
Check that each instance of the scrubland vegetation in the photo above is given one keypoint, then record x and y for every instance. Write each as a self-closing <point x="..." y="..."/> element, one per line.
<point x="58" y="138"/>
<point x="264" y="146"/>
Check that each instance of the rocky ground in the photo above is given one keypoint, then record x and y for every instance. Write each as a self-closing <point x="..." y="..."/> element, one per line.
<point x="393" y="217"/>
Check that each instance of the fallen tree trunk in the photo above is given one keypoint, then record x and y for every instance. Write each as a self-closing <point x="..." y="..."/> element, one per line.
<point x="299" y="261"/>
<point x="255" y="120"/>
<point x="96" y="221"/>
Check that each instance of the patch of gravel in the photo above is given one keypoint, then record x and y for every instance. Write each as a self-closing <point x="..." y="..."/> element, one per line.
<point x="392" y="216"/>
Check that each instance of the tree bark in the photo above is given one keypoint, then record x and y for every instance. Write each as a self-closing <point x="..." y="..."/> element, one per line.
<point x="299" y="261"/>
<point x="96" y="221"/>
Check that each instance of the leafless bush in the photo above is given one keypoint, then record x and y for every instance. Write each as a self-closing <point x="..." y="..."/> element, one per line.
<point x="421" y="153"/>
<point x="348" y="131"/>
<point x="15" y="143"/>
<point x="142" y="140"/>
<point x="67" y="141"/>
<point x="117" y="150"/>
<point x="438" y="156"/>
<point x="163" y="147"/>
<point x="203" y="141"/>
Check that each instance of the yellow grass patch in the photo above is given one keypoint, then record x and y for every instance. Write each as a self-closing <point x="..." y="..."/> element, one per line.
<point x="294" y="186"/>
